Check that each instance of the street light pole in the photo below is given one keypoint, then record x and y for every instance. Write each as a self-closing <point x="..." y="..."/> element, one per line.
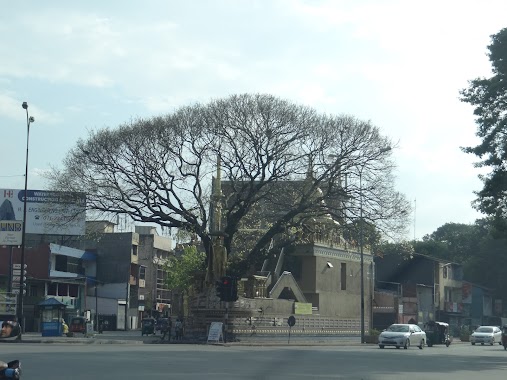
<point x="361" y="245"/>
<point x="361" y="240"/>
<point x="29" y="120"/>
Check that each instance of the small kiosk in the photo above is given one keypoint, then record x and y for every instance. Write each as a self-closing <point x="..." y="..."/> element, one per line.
<point x="52" y="312"/>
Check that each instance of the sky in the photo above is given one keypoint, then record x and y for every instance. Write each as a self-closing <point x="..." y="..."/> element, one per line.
<point x="82" y="66"/>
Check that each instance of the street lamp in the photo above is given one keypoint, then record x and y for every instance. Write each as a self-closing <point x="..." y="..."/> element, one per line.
<point x="29" y="120"/>
<point x="361" y="240"/>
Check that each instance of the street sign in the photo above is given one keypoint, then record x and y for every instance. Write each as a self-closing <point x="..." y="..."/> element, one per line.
<point x="16" y="291"/>
<point x="16" y="278"/>
<point x="16" y="272"/>
<point x="16" y="266"/>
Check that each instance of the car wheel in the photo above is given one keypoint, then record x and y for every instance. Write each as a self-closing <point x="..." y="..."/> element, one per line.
<point x="473" y="344"/>
<point x="381" y="346"/>
<point x="421" y="346"/>
<point x="407" y="344"/>
<point x="500" y="343"/>
<point x="397" y="347"/>
<point x="482" y="344"/>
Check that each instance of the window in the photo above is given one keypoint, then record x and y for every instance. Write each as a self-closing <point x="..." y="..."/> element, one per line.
<point x="444" y="272"/>
<point x="343" y="276"/>
<point x="63" y="290"/>
<point x="142" y="273"/>
<point x="32" y="291"/>
<point x="52" y="289"/>
<point x="61" y="263"/>
<point x="448" y="294"/>
<point x="134" y="250"/>
<point x="73" y="290"/>
<point x="67" y="264"/>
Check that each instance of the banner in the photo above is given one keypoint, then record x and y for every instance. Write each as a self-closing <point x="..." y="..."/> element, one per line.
<point x="47" y="212"/>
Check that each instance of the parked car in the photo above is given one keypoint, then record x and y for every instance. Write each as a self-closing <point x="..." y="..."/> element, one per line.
<point x="402" y="335"/>
<point x="486" y="334"/>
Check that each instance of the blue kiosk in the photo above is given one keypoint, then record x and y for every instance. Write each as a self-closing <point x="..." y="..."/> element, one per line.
<point x="52" y="312"/>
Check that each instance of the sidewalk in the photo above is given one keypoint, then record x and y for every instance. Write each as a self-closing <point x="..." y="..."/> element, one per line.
<point x="31" y="337"/>
<point x="134" y="337"/>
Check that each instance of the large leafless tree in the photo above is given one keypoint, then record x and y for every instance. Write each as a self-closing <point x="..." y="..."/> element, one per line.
<point x="272" y="152"/>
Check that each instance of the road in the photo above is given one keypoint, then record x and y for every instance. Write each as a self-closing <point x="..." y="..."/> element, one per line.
<point x="153" y="361"/>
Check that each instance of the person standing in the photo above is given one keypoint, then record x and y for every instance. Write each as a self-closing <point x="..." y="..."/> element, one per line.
<point x="178" y="329"/>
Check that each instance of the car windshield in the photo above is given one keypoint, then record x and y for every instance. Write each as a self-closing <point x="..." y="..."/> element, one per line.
<point x="484" y="330"/>
<point x="398" y="328"/>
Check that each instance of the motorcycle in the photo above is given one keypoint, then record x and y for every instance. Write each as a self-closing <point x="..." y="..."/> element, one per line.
<point x="10" y="370"/>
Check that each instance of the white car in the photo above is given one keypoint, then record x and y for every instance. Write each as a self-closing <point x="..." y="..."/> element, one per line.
<point x="486" y="334"/>
<point x="402" y="335"/>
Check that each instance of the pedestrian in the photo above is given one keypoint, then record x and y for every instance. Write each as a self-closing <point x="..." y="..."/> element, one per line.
<point x="169" y="328"/>
<point x="166" y="329"/>
<point x="179" y="329"/>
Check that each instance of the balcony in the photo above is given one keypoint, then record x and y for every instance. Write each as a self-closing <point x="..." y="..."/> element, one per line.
<point x="133" y="280"/>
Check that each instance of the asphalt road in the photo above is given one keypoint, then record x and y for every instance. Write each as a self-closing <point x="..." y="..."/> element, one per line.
<point x="131" y="361"/>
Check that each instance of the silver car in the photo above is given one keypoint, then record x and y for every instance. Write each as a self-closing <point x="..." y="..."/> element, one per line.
<point x="402" y="335"/>
<point x="486" y="334"/>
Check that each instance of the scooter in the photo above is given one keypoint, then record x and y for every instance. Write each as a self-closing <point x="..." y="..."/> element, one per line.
<point x="11" y="370"/>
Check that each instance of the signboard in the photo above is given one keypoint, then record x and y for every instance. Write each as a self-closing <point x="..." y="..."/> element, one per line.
<point x="89" y="329"/>
<point x="11" y="232"/>
<point x="47" y="212"/>
<point x="8" y="302"/>
<point x="215" y="332"/>
<point x="162" y="307"/>
<point x="302" y="308"/>
<point x="466" y="291"/>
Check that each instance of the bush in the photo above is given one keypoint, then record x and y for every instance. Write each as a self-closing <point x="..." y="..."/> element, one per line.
<point x="374" y="332"/>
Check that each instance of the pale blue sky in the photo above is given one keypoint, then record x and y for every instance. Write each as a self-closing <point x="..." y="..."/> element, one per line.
<point x="89" y="64"/>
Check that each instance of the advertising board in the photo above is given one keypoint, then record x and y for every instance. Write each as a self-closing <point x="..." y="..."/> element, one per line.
<point x="47" y="212"/>
<point x="11" y="232"/>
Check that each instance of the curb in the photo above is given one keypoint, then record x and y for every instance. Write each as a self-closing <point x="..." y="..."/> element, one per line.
<point x="80" y="341"/>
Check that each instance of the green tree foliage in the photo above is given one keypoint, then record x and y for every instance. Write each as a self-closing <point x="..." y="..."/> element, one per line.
<point x="487" y="266"/>
<point x="181" y="270"/>
<point x="488" y="96"/>
<point x="401" y="249"/>
<point x="453" y="241"/>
